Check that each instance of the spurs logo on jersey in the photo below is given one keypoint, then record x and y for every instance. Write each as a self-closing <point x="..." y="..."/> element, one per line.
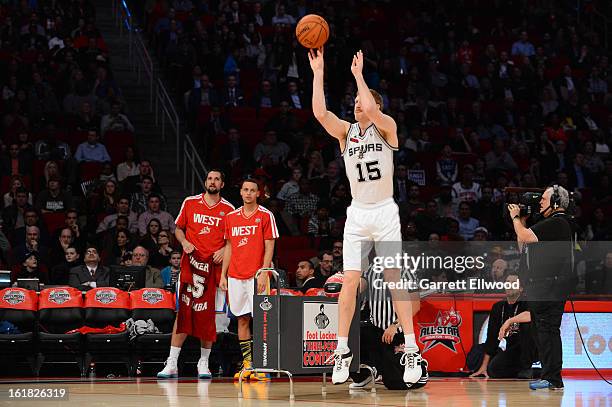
<point x="368" y="160"/>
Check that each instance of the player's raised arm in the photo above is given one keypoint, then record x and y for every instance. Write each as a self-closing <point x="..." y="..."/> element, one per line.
<point x="331" y="123"/>
<point x="383" y="122"/>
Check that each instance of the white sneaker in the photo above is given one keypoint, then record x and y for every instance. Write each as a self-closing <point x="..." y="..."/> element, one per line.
<point x="342" y="363"/>
<point x="203" y="371"/>
<point x="364" y="382"/>
<point x="170" y="370"/>
<point x="412" y="366"/>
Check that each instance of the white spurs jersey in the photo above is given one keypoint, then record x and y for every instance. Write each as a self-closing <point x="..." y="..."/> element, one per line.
<point x="368" y="160"/>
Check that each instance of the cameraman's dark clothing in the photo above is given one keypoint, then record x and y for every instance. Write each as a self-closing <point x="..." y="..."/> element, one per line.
<point x="548" y="272"/>
<point x="520" y="347"/>
<point x="546" y="317"/>
<point x="548" y="279"/>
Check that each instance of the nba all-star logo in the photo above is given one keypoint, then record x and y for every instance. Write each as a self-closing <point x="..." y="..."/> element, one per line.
<point x="205" y="230"/>
<point x="444" y="330"/>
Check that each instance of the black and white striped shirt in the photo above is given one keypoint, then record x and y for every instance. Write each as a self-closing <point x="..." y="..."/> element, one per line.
<point x="381" y="307"/>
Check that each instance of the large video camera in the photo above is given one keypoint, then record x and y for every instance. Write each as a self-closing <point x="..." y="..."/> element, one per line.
<point x="529" y="202"/>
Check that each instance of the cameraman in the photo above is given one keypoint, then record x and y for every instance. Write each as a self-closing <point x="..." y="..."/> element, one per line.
<point x="546" y="276"/>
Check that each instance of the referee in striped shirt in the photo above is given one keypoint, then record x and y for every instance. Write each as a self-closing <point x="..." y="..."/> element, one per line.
<point x="380" y="326"/>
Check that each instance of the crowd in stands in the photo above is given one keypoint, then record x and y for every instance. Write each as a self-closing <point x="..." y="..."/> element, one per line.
<point x="76" y="198"/>
<point x="486" y="95"/>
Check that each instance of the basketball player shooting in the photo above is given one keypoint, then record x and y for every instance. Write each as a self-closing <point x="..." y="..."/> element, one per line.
<point x="367" y="147"/>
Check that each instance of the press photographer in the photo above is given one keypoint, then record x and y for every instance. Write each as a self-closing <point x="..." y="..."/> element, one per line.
<point x="546" y="273"/>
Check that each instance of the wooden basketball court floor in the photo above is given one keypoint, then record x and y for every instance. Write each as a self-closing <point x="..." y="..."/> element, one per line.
<point x="447" y="392"/>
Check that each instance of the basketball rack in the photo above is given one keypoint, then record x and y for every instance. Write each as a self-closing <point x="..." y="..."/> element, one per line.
<point x="286" y="313"/>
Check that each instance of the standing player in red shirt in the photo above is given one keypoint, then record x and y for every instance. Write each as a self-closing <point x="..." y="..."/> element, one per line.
<point x="250" y="232"/>
<point x="200" y="228"/>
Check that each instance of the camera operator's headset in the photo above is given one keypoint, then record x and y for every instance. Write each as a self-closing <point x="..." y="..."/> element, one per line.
<point x="555" y="203"/>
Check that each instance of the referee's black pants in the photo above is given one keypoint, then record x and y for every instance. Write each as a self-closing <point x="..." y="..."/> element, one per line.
<point x="371" y="349"/>
<point x="546" y="315"/>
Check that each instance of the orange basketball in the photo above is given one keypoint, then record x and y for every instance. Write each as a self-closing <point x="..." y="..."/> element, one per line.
<point x="312" y="31"/>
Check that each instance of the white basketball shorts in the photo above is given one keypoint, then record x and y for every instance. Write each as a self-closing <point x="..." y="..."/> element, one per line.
<point x="371" y="226"/>
<point x="240" y="293"/>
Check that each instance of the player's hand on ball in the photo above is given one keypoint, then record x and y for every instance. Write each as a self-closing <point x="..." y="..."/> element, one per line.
<point x="218" y="255"/>
<point x="223" y="283"/>
<point x="357" y="65"/>
<point x="389" y="333"/>
<point x="188" y="247"/>
<point x="315" y="56"/>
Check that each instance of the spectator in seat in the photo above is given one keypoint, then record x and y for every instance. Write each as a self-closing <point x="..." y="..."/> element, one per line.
<point x="414" y="203"/>
<point x="57" y="253"/>
<point x="92" y="150"/>
<point x="429" y="221"/>
<point x="154" y="212"/>
<point x="232" y="96"/>
<point x="16" y="162"/>
<point x="50" y="148"/>
<point x="31" y="218"/>
<point x="134" y="183"/>
<point x="266" y="97"/>
<point x="270" y="151"/>
<point x="202" y="94"/>
<point x="499" y="158"/>
<point x="305" y="276"/>
<point x="234" y="152"/>
<point x="72" y="221"/>
<point x="296" y="97"/>
<point x="579" y="175"/>
<point x="13" y="215"/>
<point x="290" y="187"/>
<point x="30" y="268"/>
<point x="122" y="208"/>
<point x="332" y="177"/>
<point x="87" y="119"/>
<point x="160" y="255"/>
<point x="466" y="190"/>
<point x="41" y="99"/>
<point x="467" y="224"/>
<point x="170" y="273"/>
<point x="140" y="257"/>
<point x="447" y="168"/>
<point x="129" y="167"/>
<point x="302" y="203"/>
<point x="523" y="46"/>
<point x="108" y="237"/>
<point x="326" y="267"/>
<point x="105" y="89"/>
<point x="81" y="91"/>
<point x="337" y="250"/>
<point x="54" y="198"/>
<point x="60" y="273"/>
<point x="115" y="120"/>
<point x="121" y="249"/>
<point x="15" y="183"/>
<point x="139" y="200"/>
<point x="339" y="201"/>
<point x="32" y="245"/>
<point x="285" y="122"/>
<point x="91" y="274"/>
<point x="320" y="224"/>
<point x="51" y="170"/>
<point x="282" y="17"/>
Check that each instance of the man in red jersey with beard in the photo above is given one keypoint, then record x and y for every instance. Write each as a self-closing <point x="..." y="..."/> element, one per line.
<point x="200" y="227"/>
<point x="250" y="232"/>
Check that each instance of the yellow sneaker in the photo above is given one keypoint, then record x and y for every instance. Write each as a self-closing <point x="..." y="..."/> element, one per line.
<point x="262" y="377"/>
<point x="247" y="374"/>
